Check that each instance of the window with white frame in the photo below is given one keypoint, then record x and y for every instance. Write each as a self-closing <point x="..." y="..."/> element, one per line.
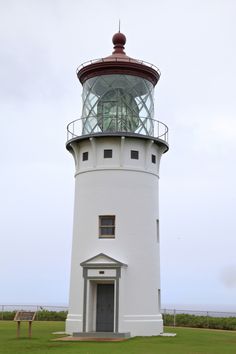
<point x="106" y="226"/>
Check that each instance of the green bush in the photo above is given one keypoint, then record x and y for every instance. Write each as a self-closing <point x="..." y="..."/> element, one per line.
<point x="186" y="320"/>
<point x="8" y="315"/>
<point x="42" y="315"/>
<point x="181" y="320"/>
<point x="45" y="315"/>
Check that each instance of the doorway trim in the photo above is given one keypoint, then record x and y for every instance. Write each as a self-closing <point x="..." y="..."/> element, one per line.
<point x="98" y="269"/>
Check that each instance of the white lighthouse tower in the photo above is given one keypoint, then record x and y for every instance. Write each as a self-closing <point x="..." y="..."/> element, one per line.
<point x="117" y="146"/>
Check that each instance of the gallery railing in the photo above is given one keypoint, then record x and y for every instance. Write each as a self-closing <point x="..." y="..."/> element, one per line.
<point x="114" y="125"/>
<point x="124" y="59"/>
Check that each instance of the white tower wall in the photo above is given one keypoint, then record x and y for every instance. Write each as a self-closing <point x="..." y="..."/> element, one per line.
<point x="128" y="189"/>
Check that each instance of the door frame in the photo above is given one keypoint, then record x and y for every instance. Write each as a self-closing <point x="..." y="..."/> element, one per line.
<point x="105" y="271"/>
<point x="89" y="315"/>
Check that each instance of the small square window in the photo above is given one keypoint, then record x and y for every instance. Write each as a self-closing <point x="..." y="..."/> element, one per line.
<point x="158" y="232"/>
<point x="134" y="154"/>
<point x="85" y="156"/>
<point x="153" y="158"/>
<point x="107" y="154"/>
<point x="106" y="226"/>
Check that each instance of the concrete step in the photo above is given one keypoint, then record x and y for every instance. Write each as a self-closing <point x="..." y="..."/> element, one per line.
<point x="101" y="335"/>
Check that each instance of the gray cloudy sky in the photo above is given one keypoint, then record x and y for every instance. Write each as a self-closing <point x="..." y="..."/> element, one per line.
<point x="193" y="43"/>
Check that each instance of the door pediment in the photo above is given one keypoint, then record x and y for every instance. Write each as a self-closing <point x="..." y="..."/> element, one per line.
<point x="103" y="260"/>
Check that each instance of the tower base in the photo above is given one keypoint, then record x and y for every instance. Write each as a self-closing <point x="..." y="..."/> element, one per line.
<point x="74" y="324"/>
<point x="137" y="325"/>
<point x="130" y="326"/>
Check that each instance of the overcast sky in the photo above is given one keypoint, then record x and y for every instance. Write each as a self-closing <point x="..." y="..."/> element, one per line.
<point x="193" y="44"/>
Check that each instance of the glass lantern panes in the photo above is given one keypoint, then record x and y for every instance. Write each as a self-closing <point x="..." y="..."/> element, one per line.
<point x="118" y="103"/>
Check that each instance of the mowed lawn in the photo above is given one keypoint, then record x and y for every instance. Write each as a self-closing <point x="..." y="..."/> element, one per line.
<point x="187" y="341"/>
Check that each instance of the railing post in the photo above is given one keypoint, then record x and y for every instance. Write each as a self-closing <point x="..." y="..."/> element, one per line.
<point x="174" y="317"/>
<point x="37" y="311"/>
<point x="207" y="319"/>
<point x="2" y="311"/>
<point x="164" y="316"/>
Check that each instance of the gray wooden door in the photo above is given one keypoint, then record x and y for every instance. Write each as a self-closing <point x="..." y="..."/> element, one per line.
<point x="105" y="308"/>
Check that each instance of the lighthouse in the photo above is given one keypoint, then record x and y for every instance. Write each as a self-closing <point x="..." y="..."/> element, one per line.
<point x="117" y="145"/>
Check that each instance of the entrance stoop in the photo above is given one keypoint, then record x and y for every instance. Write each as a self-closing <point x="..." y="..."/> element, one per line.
<point x="103" y="335"/>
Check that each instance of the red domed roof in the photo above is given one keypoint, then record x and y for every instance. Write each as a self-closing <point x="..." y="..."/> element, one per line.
<point x="118" y="63"/>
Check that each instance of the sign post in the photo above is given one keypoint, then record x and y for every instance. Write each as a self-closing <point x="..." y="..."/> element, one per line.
<point x="26" y="316"/>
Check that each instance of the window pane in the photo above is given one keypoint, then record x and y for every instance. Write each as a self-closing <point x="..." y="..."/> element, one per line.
<point x="107" y="230"/>
<point x="158" y="231"/>
<point x="107" y="220"/>
<point x="134" y="154"/>
<point x="153" y="158"/>
<point x="107" y="153"/>
<point x="85" y="156"/>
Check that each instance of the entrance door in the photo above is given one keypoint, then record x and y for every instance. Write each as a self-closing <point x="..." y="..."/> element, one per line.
<point x="105" y="308"/>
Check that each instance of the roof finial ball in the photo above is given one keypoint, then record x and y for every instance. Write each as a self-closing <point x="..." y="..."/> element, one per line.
<point x="119" y="41"/>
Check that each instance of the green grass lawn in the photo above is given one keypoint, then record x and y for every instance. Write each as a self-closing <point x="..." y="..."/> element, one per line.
<point x="187" y="341"/>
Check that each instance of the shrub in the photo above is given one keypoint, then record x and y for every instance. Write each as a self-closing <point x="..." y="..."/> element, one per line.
<point x="8" y="315"/>
<point x="42" y="315"/>
<point x="45" y="315"/>
<point x="186" y="320"/>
